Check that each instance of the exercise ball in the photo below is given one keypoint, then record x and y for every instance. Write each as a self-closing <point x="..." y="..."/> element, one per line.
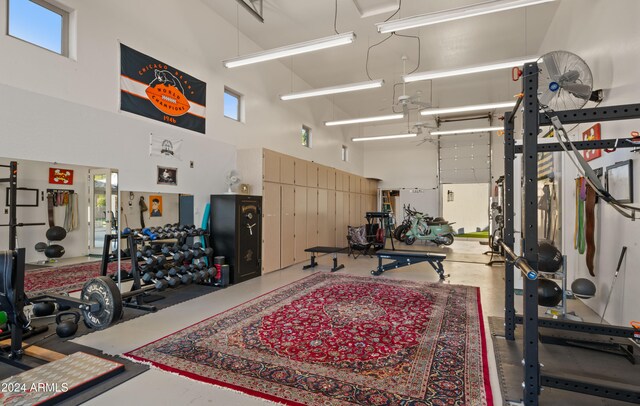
<point x="549" y="257"/>
<point x="54" y="251"/>
<point x="583" y="288"/>
<point x="56" y="233"/>
<point x="41" y="246"/>
<point x="549" y="293"/>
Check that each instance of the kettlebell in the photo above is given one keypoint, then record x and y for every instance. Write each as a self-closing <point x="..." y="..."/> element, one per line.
<point x="42" y="309"/>
<point x="68" y="327"/>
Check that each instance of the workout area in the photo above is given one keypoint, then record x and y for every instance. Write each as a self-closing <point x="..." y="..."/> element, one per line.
<point x="330" y="202"/>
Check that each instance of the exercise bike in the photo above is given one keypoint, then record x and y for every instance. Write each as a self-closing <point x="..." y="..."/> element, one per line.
<point x="436" y="230"/>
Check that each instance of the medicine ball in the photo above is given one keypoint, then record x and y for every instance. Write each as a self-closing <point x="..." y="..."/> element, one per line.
<point x="549" y="257"/>
<point x="56" y="233"/>
<point x="549" y="293"/>
<point x="41" y="246"/>
<point x="54" y="251"/>
<point x="42" y="309"/>
<point x="583" y="288"/>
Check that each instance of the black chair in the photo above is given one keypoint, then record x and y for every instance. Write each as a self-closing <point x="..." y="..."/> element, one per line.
<point x="52" y="251"/>
<point x="358" y="242"/>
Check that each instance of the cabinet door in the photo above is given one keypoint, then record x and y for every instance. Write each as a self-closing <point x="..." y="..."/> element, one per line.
<point x="300" y="221"/>
<point x="339" y="181"/>
<point x="354" y="218"/>
<point x="331" y="179"/>
<point x="354" y="184"/>
<point x="322" y="176"/>
<point x="287" y="169"/>
<point x="346" y="182"/>
<point x="312" y="174"/>
<point x="270" y="227"/>
<point x="341" y="229"/>
<point x="331" y="218"/>
<point x="312" y="217"/>
<point x="287" y="226"/>
<point x="270" y="166"/>
<point x="300" y="178"/>
<point x="323" y="235"/>
<point x="364" y="186"/>
<point x="346" y="221"/>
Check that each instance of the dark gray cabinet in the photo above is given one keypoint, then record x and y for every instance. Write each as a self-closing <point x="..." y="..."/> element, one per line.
<point x="236" y="234"/>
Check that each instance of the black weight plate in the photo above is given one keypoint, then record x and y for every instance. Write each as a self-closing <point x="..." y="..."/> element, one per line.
<point x="104" y="291"/>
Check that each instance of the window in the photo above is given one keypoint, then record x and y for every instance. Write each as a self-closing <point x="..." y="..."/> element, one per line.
<point x="40" y="23"/>
<point x="232" y="104"/>
<point x="305" y="136"/>
<point x="345" y="153"/>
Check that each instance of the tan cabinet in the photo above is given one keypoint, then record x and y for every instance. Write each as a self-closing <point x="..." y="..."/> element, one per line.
<point x="300" y="178"/>
<point x="270" y="166"/>
<point x="312" y="174"/>
<point x="322" y="176"/>
<point x="331" y="179"/>
<point x="331" y="218"/>
<point x="270" y="227"/>
<point x="355" y="184"/>
<point x="287" y="169"/>
<point x="345" y="181"/>
<point x="364" y="186"/>
<point x="341" y="230"/>
<point x="287" y="226"/>
<point x="339" y="181"/>
<point x="300" y="221"/>
<point x="354" y="216"/>
<point x="323" y="232"/>
<point x="312" y="217"/>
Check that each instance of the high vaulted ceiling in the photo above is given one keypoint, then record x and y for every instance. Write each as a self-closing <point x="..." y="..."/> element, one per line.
<point x="471" y="41"/>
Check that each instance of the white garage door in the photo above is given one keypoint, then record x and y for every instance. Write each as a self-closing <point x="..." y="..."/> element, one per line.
<point x="465" y="158"/>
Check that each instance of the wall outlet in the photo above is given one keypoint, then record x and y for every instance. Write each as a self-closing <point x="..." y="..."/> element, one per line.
<point x="190" y="164"/>
<point x="6" y="211"/>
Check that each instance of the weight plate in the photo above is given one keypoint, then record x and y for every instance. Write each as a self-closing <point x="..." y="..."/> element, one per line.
<point x="104" y="291"/>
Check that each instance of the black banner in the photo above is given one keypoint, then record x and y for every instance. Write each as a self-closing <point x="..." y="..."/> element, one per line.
<point x="159" y="91"/>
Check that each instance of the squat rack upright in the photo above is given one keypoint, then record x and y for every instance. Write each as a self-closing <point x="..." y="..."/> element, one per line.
<point x="533" y="118"/>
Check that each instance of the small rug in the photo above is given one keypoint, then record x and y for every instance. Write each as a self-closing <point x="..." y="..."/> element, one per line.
<point x="66" y="278"/>
<point x="340" y="339"/>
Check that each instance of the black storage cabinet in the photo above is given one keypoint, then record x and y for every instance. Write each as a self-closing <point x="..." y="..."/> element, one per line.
<point x="236" y="234"/>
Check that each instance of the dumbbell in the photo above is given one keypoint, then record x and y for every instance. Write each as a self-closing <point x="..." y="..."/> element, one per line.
<point x="196" y="251"/>
<point x="169" y="250"/>
<point x="150" y="277"/>
<point x="152" y="236"/>
<point x="185" y="278"/>
<point x="171" y="279"/>
<point x="151" y="259"/>
<point x="201" y="268"/>
<point x="189" y="269"/>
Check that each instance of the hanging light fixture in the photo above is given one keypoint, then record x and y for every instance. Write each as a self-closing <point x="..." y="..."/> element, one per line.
<point x="294" y="49"/>
<point x="473" y="10"/>
<point x="351" y="87"/>
<point x="466" y="109"/>
<point x="365" y="120"/>
<point x="384" y="137"/>
<point x="468" y="131"/>
<point x="444" y="73"/>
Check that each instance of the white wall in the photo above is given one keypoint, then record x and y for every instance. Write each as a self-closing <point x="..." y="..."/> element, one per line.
<point x="67" y="110"/>
<point x="469" y="208"/>
<point x="604" y="34"/>
<point x="32" y="174"/>
<point x="131" y="213"/>
<point x="402" y="164"/>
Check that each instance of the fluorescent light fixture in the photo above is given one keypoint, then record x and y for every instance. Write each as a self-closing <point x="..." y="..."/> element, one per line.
<point x="294" y="49"/>
<point x="384" y="137"/>
<point x="352" y="87"/>
<point x="438" y="17"/>
<point x="468" y="131"/>
<point x="365" y="120"/>
<point x="445" y="73"/>
<point x="465" y="109"/>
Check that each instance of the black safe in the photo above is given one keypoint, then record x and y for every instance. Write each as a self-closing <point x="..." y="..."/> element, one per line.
<point x="236" y="234"/>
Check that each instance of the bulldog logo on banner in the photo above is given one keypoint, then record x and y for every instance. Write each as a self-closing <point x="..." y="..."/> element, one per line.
<point x="153" y="89"/>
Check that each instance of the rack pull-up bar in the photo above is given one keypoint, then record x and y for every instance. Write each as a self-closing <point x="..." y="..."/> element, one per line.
<point x="520" y="263"/>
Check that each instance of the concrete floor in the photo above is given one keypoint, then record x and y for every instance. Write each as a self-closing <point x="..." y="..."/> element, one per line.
<point x="162" y="388"/>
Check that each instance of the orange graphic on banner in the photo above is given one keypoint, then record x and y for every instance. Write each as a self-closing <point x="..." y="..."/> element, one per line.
<point x="592" y="134"/>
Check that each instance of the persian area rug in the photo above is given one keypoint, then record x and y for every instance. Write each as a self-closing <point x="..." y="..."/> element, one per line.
<point x="65" y="278"/>
<point x="340" y="339"/>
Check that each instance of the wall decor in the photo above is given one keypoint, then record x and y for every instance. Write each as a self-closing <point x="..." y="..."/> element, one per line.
<point x="155" y="90"/>
<point x="167" y="176"/>
<point x="59" y="176"/>
<point x="164" y="146"/>
<point x="156" y="205"/>
<point x="25" y="197"/>
<point x="592" y="134"/>
<point x="619" y="181"/>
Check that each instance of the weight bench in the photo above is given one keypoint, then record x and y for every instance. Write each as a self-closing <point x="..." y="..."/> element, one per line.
<point x="325" y="250"/>
<point x="405" y="258"/>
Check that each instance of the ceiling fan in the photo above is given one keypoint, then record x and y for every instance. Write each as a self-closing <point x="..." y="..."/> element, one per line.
<point x="419" y="128"/>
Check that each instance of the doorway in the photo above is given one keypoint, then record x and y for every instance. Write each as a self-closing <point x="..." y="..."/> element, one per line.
<point x="467" y="205"/>
<point x="103" y="219"/>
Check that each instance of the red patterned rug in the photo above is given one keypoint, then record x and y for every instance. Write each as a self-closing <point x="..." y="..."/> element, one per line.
<point x="338" y="339"/>
<point x="65" y="278"/>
